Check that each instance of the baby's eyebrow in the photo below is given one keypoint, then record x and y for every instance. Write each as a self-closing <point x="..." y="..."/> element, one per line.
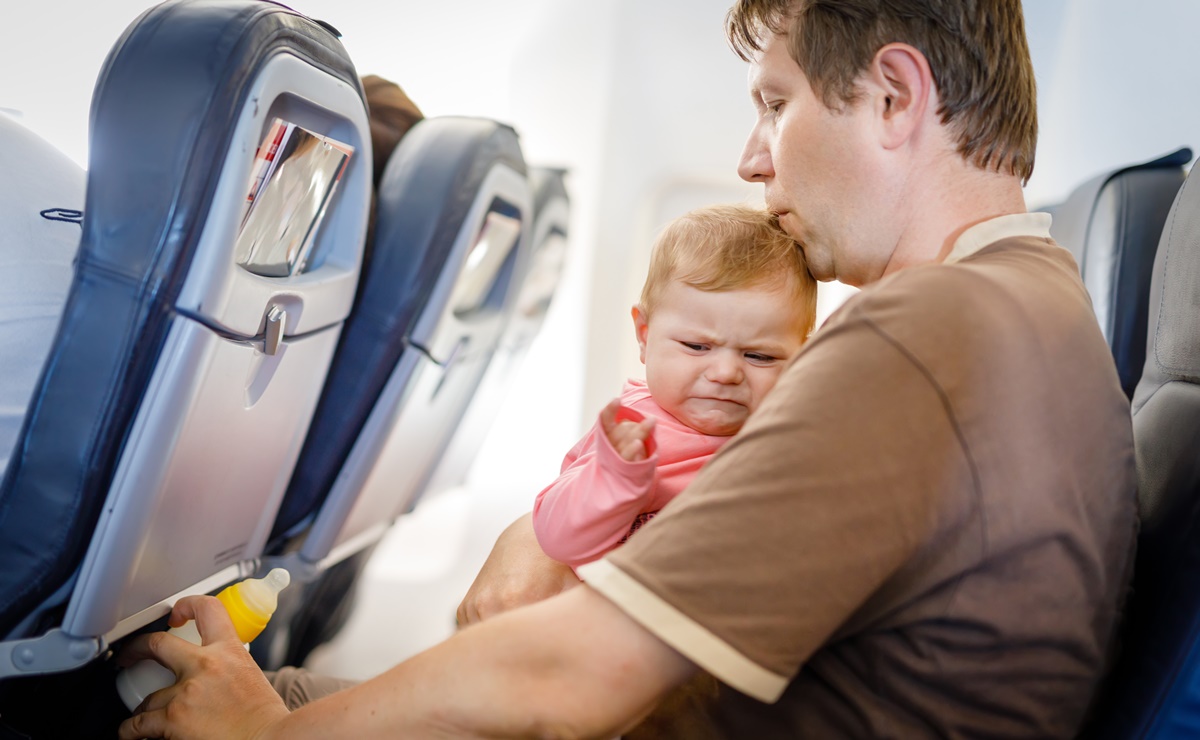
<point x="766" y="348"/>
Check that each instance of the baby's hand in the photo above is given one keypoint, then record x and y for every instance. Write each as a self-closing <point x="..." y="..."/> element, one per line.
<point x="631" y="439"/>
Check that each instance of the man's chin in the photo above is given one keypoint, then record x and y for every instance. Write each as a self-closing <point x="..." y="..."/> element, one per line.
<point x="791" y="226"/>
<point x="819" y="267"/>
<point x="819" y="262"/>
<point x="821" y="271"/>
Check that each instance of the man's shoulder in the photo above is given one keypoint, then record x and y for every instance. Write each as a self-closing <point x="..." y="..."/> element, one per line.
<point x="994" y="313"/>
<point x="975" y="292"/>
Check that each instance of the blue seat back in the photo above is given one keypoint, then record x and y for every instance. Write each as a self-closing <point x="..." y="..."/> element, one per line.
<point x="179" y="386"/>
<point x="451" y="206"/>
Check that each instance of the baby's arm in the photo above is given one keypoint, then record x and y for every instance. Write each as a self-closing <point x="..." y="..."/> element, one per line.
<point x="604" y="485"/>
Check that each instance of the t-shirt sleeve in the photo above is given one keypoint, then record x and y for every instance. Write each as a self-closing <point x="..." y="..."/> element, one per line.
<point x="851" y="465"/>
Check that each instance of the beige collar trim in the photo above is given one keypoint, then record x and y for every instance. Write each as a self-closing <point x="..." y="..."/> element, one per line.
<point x="994" y="229"/>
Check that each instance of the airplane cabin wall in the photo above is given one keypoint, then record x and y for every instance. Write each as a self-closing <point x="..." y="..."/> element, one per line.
<point x="668" y="120"/>
<point x="1115" y="82"/>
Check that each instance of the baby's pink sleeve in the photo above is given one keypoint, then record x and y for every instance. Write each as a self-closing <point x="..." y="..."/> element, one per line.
<point x="590" y="507"/>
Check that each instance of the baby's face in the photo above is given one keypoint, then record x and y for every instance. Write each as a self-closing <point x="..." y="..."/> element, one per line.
<point x="711" y="356"/>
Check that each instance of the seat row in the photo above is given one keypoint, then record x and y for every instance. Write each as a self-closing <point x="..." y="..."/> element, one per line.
<point x="198" y="421"/>
<point x="1135" y="232"/>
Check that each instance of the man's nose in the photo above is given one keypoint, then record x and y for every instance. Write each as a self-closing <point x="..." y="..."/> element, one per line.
<point x="755" y="164"/>
<point x="725" y="368"/>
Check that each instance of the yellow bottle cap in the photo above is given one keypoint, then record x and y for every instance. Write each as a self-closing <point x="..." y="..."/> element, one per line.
<point x="252" y="602"/>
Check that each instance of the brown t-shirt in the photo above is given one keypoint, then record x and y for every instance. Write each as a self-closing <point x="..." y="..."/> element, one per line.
<point x="926" y="528"/>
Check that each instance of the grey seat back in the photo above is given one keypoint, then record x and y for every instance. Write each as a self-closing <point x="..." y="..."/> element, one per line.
<point x="1154" y="689"/>
<point x="547" y="246"/>
<point x="180" y="384"/>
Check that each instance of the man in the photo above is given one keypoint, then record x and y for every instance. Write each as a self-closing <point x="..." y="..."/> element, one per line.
<point x="926" y="528"/>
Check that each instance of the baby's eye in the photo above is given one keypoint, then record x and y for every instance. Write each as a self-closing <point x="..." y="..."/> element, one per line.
<point x="694" y="346"/>
<point x="759" y="358"/>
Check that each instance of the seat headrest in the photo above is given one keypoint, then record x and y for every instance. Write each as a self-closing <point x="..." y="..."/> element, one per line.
<point x="1073" y="216"/>
<point x="1173" y="344"/>
<point x="1112" y="224"/>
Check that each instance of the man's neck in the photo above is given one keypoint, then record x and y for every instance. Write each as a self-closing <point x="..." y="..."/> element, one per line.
<point x="956" y="198"/>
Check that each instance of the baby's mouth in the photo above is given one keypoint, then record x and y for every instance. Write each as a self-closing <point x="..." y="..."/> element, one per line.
<point x="722" y="400"/>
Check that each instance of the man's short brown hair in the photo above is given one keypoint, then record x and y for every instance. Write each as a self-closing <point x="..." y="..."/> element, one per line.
<point x="731" y="247"/>
<point x="976" y="49"/>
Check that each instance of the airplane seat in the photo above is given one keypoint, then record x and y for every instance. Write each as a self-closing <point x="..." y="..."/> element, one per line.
<point x="1153" y="690"/>
<point x="1111" y="224"/>
<point x="171" y="408"/>
<point x="41" y="214"/>
<point x="548" y="250"/>
<point x="451" y="209"/>
<point x="317" y="614"/>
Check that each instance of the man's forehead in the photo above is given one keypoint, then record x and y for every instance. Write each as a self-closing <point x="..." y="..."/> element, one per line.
<point x="772" y="67"/>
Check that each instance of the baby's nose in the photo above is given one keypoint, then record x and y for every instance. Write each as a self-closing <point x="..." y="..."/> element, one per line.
<point x="725" y="369"/>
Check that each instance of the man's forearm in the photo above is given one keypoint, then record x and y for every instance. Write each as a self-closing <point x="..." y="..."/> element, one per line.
<point x="516" y="573"/>
<point x="572" y="666"/>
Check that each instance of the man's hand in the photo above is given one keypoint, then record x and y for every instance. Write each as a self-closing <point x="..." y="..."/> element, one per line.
<point x="516" y="573"/>
<point x="633" y="440"/>
<point x="571" y="666"/>
<point x="221" y="693"/>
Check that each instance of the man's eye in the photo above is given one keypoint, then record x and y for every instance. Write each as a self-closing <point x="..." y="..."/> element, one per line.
<point x="760" y="359"/>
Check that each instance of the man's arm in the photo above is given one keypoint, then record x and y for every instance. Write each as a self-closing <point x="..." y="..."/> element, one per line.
<point x="571" y="666"/>
<point x="515" y="573"/>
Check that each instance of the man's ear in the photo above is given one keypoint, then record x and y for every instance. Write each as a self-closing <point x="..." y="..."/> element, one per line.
<point x="902" y="86"/>
<point x="641" y="326"/>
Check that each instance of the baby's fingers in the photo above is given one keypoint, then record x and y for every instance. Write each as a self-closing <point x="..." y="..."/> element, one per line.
<point x="633" y="450"/>
<point x="629" y="439"/>
<point x="608" y="417"/>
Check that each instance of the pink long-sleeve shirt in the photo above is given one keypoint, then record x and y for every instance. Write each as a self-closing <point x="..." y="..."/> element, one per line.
<point x="590" y="508"/>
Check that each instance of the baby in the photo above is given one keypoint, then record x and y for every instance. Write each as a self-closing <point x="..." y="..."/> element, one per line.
<point x="727" y="301"/>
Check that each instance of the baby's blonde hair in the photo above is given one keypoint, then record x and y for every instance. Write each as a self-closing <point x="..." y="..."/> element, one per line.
<point x="730" y="247"/>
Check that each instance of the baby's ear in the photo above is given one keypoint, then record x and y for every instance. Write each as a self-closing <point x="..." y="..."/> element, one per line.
<point x="641" y="326"/>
